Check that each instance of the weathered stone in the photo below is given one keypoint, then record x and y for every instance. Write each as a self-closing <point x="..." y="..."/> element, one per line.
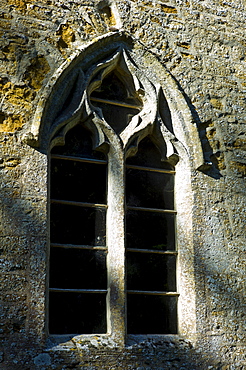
<point x="196" y="52"/>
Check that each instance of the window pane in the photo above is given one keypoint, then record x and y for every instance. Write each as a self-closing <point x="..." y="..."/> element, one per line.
<point x="78" y="181"/>
<point x="117" y="89"/>
<point x="79" y="144"/>
<point x="77" y="268"/>
<point x="151" y="230"/>
<point x="111" y="88"/>
<point x="148" y="314"/>
<point x="73" y="313"/>
<point x="116" y="116"/>
<point x="148" y="271"/>
<point x="78" y="225"/>
<point x="149" y="156"/>
<point x="149" y="189"/>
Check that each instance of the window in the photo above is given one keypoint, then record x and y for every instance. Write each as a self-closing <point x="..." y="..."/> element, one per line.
<point x="115" y="113"/>
<point x="112" y="229"/>
<point x="78" y="279"/>
<point x="150" y="243"/>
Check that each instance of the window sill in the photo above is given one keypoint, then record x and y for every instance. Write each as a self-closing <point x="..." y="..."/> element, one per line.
<point x="90" y="342"/>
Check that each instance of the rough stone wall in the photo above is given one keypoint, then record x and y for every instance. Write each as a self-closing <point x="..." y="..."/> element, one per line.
<point x="202" y="44"/>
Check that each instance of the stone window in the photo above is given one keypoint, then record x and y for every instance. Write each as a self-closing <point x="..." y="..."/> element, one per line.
<point x="112" y="212"/>
<point x="117" y="130"/>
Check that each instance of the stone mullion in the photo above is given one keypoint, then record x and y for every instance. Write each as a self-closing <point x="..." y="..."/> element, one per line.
<point x="116" y="247"/>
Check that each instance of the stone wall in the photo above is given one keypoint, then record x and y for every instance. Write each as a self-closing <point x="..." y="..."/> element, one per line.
<point x="202" y="46"/>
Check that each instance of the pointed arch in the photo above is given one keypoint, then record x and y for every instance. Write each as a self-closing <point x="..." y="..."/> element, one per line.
<point x="66" y="99"/>
<point x="162" y="115"/>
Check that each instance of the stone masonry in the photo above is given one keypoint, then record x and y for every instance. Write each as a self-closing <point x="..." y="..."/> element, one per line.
<point x="200" y="44"/>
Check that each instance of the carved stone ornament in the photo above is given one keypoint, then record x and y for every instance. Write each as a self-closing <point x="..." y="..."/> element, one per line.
<point x="161" y="109"/>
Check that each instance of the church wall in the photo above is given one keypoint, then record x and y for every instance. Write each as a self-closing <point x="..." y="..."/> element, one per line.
<point x="202" y="46"/>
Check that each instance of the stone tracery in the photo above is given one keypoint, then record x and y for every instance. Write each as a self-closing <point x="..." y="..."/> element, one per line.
<point x="68" y="101"/>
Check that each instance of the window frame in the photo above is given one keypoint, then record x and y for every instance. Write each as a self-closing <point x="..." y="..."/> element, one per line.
<point x="116" y="306"/>
<point x="69" y="87"/>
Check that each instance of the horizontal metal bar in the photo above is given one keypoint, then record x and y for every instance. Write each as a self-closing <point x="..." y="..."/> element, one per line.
<point x="151" y="209"/>
<point x="79" y="204"/>
<point x="152" y="251"/>
<point x="75" y="246"/>
<point x="152" y="169"/>
<point x="60" y="290"/>
<point x="78" y="159"/>
<point x="67" y="337"/>
<point x="153" y="292"/>
<point x="118" y="103"/>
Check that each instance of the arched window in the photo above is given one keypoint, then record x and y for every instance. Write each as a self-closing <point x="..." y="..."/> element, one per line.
<point x="118" y="131"/>
<point x="80" y="231"/>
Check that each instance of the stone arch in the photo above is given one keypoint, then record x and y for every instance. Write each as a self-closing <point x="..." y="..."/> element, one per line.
<point x="65" y="99"/>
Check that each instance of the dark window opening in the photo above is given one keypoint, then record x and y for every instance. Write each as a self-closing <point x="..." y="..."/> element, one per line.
<point x="78" y="278"/>
<point x="150" y="243"/>
<point x="78" y="215"/>
<point x="74" y="313"/>
<point x="151" y="314"/>
<point x="116" y="102"/>
<point x="79" y="143"/>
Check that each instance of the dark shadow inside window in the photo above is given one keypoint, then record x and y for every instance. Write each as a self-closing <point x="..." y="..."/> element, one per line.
<point x="78" y="277"/>
<point x="150" y="243"/>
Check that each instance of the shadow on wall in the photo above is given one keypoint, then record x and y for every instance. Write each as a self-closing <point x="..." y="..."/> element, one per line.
<point x="23" y="240"/>
<point x="24" y="258"/>
<point x="213" y="169"/>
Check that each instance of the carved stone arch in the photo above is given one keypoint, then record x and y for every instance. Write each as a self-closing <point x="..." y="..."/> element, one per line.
<point x="65" y="101"/>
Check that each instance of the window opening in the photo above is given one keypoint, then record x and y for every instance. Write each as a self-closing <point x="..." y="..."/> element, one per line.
<point x="150" y="243"/>
<point x="78" y="277"/>
<point x="79" y="292"/>
<point x="116" y="103"/>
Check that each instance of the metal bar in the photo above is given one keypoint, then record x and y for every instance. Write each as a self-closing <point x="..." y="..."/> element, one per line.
<point x="57" y="290"/>
<point x="74" y="246"/>
<point x="160" y="170"/>
<point x="151" y="209"/>
<point x="78" y="159"/>
<point x="69" y="336"/>
<point x="79" y="204"/>
<point x="154" y="292"/>
<point x="112" y="102"/>
<point x="152" y="251"/>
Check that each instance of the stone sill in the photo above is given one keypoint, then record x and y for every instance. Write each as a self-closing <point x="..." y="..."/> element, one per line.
<point x="106" y="342"/>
